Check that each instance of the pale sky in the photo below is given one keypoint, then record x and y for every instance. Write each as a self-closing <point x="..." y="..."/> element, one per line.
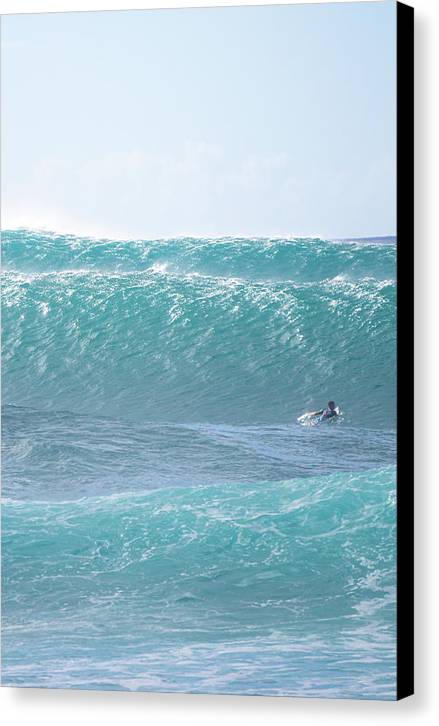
<point x="255" y="121"/>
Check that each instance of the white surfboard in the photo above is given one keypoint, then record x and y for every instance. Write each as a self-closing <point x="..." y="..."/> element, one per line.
<point x="313" y="417"/>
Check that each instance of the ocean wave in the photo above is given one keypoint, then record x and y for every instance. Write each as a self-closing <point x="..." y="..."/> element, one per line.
<point x="172" y="347"/>
<point x="298" y="259"/>
<point x="262" y="525"/>
<point x="215" y="575"/>
<point x="167" y="524"/>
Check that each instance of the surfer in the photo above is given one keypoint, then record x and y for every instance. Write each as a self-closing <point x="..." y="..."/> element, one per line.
<point x="325" y="414"/>
<point x="328" y="412"/>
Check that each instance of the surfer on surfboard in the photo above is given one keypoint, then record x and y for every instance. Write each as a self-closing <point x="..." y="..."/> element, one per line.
<point x="331" y="411"/>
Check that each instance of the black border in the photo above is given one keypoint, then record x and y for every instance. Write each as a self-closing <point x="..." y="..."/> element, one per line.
<point x="405" y="349"/>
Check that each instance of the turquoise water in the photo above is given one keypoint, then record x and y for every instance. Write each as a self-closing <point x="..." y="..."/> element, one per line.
<point x="167" y="525"/>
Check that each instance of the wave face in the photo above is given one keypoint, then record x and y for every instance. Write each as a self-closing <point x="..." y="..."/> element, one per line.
<point x="167" y="523"/>
<point x="195" y="330"/>
<point x="213" y="589"/>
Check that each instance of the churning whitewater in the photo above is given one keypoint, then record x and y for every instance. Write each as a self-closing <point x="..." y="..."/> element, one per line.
<point x="167" y="525"/>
